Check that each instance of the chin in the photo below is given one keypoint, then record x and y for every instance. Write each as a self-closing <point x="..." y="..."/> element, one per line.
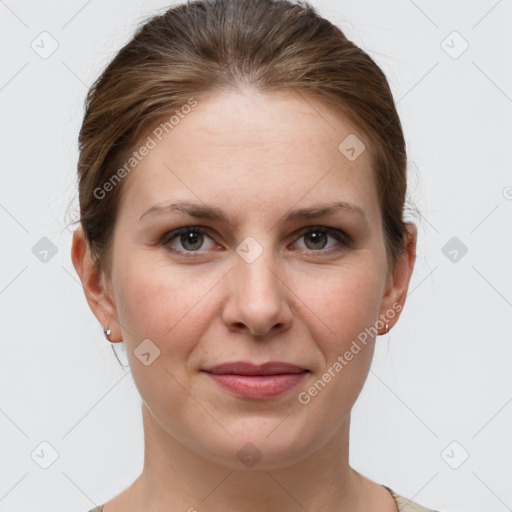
<point x="256" y="449"/>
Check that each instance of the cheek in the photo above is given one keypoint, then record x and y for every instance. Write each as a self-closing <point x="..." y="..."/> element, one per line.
<point x="346" y="308"/>
<point x="344" y="302"/>
<point x="163" y="306"/>
<point x="160" y="302"/>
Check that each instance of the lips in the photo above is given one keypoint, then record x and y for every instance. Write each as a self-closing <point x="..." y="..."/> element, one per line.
<point x="256" y="382"/>
<point x="246" y="368"/>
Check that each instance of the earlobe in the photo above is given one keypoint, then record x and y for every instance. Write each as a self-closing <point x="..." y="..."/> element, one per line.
<point x="93" y="283"/>
<point x="398" y="283"/>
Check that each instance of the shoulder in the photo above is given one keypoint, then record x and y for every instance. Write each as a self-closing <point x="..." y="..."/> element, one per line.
<point x="407" y="505"/>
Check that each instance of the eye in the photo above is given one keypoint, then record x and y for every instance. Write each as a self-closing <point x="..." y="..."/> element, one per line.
<point x="192" y="238"/>
<point x="316" y="239"/>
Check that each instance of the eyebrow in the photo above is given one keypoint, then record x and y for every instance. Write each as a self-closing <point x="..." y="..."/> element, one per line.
<point x="212" y="213"/>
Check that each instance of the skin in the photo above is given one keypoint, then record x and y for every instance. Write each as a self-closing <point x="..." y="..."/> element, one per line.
<point x="256" y="157"/>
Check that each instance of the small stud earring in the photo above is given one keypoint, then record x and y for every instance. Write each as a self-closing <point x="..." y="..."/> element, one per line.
<point x="107" y="333"/>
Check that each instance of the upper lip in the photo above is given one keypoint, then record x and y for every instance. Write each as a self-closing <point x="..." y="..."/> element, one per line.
<point x="246" y="368"/>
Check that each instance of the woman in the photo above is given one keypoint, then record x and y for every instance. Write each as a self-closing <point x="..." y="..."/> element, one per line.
<point x="257" y="133"/>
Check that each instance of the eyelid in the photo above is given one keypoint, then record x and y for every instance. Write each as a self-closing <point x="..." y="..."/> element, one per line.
<point x="344" y="240"/>
<point x="175" y="233"/>
<point x="341" y="236"/>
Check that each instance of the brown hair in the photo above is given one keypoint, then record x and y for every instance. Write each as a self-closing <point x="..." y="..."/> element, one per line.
<point x="212" y="45"/>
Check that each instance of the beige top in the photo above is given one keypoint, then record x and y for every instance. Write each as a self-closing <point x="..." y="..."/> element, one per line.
<point x="402" y="504"/>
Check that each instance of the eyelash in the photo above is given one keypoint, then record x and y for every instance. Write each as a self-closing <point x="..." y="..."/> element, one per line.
<point x="344" y="240"/>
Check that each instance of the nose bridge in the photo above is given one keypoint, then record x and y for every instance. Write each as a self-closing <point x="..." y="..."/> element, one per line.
<point x="255" y="266"/>
<point x="260" y="297"/>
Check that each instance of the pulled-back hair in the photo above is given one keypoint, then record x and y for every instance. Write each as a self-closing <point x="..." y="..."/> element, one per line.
<point x="205" y="46"/>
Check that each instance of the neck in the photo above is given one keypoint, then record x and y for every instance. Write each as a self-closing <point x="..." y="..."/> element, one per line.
<point x="176" y="477"/>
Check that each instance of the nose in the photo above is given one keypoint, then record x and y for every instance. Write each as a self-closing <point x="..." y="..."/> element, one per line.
<point x="259" y="295"/>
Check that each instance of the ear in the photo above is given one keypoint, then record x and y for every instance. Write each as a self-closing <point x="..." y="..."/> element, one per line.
<point x="94" y="284"/>
<point x="398" y="280"/>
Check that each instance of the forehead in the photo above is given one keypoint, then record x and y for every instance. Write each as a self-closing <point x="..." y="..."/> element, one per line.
<point x="254" y="148"/>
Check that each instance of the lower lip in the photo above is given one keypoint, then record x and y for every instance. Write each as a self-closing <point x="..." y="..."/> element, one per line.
<point x="258" y="386"/>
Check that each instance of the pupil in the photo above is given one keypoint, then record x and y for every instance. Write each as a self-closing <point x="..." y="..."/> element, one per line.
<point x="315" y="236"/>
<point x="191" y="238"/>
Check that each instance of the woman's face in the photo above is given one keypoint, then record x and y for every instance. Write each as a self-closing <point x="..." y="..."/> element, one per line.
<point x="266" y="282"/>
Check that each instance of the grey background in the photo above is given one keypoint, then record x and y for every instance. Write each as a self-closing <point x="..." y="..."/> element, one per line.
<point x="440" y="386"/>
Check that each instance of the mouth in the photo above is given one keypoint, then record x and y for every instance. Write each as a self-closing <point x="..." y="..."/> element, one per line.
<point x="262" y="381"/>
<point x="246" y="368"/>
